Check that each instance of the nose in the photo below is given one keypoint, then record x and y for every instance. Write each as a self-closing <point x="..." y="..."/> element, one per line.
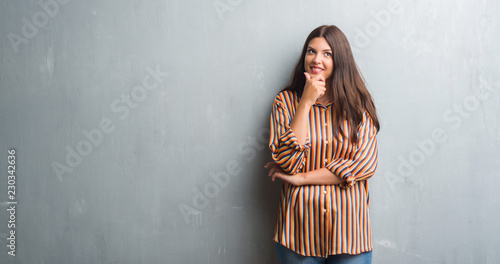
<point x="316" y="59"/>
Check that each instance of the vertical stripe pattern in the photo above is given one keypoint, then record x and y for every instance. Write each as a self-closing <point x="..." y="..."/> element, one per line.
<point x="322" y="220"/>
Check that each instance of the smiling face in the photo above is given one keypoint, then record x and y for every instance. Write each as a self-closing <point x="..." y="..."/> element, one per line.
<point x="319" y="58"/>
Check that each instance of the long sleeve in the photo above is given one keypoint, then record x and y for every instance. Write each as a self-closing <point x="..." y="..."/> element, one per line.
<point x="286" y="151"/>
<point x="363" y="163"/>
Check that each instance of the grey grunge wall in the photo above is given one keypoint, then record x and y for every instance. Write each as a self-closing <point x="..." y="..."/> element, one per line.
<point x="136" y="131"/>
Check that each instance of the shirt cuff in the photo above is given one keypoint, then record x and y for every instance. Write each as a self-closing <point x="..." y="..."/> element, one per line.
<point x="291" y="141"/>
<point x="340" y="167"/>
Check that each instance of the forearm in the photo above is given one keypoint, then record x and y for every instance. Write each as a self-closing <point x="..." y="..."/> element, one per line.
<point x="300" y="122"/>
<point x="321" y="176"/>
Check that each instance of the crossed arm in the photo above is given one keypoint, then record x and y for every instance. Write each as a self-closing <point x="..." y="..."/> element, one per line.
<point x="289" y="145"/>
<point x="321" y="176"/>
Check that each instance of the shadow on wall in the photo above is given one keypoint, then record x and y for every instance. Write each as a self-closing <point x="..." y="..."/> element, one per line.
<point x="265" y="194"/>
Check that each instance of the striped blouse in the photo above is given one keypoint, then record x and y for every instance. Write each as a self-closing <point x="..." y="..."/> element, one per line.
<point x="322" y="220"/>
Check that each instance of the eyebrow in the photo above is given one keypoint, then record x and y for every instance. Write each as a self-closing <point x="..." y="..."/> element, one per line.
<point x="309" y="47"/>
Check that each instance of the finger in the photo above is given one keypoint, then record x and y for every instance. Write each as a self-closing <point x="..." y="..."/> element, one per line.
<point x="284" y="178"/>
<point x="308" y="76"/>
<point x="276" y="175"/>
<point x="272" y="171"/>
<point x="270" y="164"/>
<point x="318" y="77"/>
<point x="322" y="82"/>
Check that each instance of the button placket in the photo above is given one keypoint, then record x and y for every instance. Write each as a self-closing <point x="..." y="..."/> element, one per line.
<point x="326" y="200"/>
<point x="325" y="141"/>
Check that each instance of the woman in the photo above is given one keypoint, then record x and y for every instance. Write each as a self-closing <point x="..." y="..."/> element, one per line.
<point x="323" y="143"/>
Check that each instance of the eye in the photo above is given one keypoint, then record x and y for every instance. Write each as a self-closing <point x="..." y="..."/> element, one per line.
<point x="328" y="54"/>
<point x="310" y="51"/>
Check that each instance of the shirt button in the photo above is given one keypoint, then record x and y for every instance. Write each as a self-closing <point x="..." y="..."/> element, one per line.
<point x="324" y="191"/>
<point x="326" y="160"/>
<point x="324" y="210"/>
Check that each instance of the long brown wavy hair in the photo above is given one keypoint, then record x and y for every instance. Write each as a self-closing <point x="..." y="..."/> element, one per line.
<point x="348" y="91"/>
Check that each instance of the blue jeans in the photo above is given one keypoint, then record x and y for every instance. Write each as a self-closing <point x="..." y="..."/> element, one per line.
<point x="288" y="256"/>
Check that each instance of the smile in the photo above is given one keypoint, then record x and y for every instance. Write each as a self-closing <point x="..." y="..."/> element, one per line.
<point x="316" y="69"/>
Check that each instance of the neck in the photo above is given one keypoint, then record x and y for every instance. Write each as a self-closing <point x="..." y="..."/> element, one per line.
<point x="325" y="98"/>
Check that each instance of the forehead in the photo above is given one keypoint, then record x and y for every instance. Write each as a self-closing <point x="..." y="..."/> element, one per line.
<point x="319" y="43"/>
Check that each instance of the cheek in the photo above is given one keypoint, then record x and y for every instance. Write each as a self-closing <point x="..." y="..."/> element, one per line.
<point x="330" y="63"/>
<point x="307" y="61"/>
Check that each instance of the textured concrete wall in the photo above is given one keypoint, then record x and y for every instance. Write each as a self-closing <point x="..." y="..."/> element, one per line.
<point x="140" y="127"/>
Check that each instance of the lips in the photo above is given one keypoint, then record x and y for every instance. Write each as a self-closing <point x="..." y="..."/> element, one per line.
<point x="316" y="70"/>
